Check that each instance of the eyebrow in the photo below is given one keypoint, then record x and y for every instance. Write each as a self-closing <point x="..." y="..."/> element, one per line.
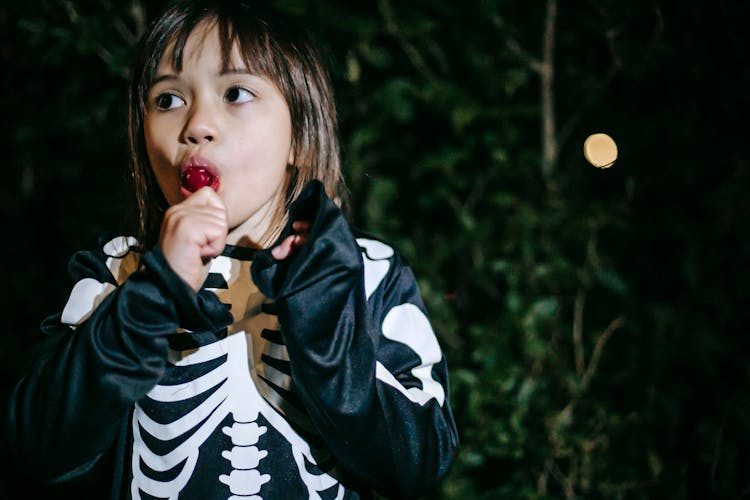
<point x="163" y="78"/>
<point x="236" y="71"/>
<point x="228" y="71"/>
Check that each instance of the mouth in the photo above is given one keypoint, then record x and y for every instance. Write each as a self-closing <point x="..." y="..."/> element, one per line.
<point x="198" y="173"/>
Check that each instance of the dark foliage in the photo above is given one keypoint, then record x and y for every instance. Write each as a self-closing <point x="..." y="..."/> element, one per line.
<point x="594" y="320"/>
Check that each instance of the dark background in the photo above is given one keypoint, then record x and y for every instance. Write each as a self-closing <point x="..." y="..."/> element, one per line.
<point x="594" y="320"/>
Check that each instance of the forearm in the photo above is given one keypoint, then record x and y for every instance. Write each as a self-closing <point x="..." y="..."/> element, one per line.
<point x="65" y="411"/>
<point x="349" y="376"/>
<point x="382" y="436"/>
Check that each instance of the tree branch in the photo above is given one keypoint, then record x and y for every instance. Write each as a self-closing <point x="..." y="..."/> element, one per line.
<point x="549" y="132"/>
<point x="515" y="48"/>
<point x="386" y="12"/>
<point x="599" y="348"/>
<point x="541" y="482"/>
<point x="578" y="331"/>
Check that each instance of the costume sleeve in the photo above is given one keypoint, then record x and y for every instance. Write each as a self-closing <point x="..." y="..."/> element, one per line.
<point x="103" y="352"/>
<point x="363" y="356"/>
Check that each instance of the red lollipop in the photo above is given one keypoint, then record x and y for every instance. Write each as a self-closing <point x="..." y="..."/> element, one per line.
<point x="194" y="178"/>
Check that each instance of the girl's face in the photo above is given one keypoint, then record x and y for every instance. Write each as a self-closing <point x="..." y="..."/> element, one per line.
<point x="232" y="122"/>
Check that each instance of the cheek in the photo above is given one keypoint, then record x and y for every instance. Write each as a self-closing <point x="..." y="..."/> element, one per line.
<point x="151" y="136"/>
<point x="148" y="137"/>
<point x="269" y="134"/>
<point x="160" y="131"/>
<point x="266" y="148"/>
<point x="158" y="157"/>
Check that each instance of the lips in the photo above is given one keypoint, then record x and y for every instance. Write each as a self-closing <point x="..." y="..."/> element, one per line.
<point x="198" y="173"/>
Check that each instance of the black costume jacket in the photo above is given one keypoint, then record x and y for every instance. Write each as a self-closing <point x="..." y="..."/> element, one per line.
<point x="314" y="377"/>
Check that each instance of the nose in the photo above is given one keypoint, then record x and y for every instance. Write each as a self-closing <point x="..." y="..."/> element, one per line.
<point x="201" y="126"/>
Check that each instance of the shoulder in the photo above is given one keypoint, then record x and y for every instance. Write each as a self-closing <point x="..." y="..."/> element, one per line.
<point x="384" y="265"/>
<point x="122" y="255"/>
<point x="111" y="257"/>
<point x="373" y="248"/>
<point x="97" y="271"/>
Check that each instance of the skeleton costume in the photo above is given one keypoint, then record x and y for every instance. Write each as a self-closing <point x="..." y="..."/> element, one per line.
<point x="314" y="377"/>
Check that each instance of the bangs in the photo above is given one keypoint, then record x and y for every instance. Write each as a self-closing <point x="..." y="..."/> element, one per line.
<point x="263" y="54"/>
<point x="254" y="50"/>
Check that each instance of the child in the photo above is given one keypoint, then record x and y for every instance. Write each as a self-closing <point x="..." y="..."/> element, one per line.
<point x="248" y="344"/>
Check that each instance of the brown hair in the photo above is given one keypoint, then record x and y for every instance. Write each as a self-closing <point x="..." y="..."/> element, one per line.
<point x="271" y="47"/>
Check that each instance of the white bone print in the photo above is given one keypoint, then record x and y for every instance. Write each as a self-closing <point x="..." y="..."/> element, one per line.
<point x="235" y="394"/>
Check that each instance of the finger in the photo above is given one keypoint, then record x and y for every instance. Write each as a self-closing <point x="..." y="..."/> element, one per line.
<point x="214" y="236"/>
<point x="283" y="249"/>
<point x="206" y="196"/>
<point x="191" y="210"/>
<point x="194" y="223"/>
<point x="301" y="226"/>
<point x="192" y="220"/>
<point x="298" y="240"/>
<point x="208" y="214"/>
<point x="211" y="249"/>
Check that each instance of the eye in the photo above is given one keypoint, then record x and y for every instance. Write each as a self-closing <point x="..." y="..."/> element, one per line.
<point x="168" y="101"/>
<point x="238" y="95"/>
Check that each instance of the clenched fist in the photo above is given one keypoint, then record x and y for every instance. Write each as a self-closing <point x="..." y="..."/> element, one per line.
<point x="192" y="232"/>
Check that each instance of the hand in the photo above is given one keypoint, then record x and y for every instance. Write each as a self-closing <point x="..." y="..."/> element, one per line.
<point x="286" y="247"/>
<point x="192" y="232"/>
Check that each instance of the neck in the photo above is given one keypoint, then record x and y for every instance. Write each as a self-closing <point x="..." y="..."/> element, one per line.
<point x="259" y="231"/>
